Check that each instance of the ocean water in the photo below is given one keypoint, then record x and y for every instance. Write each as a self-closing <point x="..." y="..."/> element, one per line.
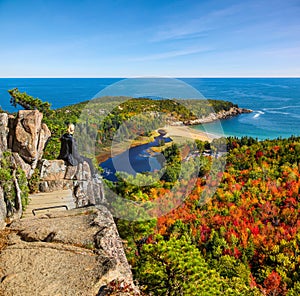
<point x="58" y="91"/>
<point x="275" y="101"/>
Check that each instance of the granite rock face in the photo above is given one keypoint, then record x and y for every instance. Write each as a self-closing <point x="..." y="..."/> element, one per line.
<point x="55" y="175"/>
<point x="29" y="135"/>
<point x="24" y="137"/>
<point x="51" y="170"/>
<point x="76" y="252"/>
<point x="18" y="161"/>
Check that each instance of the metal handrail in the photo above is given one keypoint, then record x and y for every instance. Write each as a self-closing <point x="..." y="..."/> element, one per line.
<point x="47" y="208"/>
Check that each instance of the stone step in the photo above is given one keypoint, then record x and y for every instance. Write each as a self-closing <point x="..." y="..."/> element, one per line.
<point x="49" y="199"/>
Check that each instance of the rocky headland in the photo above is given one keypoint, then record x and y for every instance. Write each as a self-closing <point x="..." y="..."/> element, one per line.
<point x="233" y="111"/>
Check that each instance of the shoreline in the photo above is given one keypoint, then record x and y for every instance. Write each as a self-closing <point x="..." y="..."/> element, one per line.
<point x="121" y="147"/>
<point x="178" y="132"/>
<point x="184" y="129"/>
<point x="221" y="115"/>
<point x="185" y="132"/>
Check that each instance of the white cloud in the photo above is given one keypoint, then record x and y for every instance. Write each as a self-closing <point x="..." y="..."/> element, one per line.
<point x="171" y="54"/>
<point x="197" y="26"/>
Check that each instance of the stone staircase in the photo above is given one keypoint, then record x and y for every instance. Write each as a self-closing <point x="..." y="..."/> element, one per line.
<point x="63" y="188"/>
<point x="59" y="200"/>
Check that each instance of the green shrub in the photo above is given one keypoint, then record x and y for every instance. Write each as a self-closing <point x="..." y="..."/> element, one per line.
<point x="7" y="181"/>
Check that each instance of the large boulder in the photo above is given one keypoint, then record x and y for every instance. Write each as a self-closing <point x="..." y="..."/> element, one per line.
<point x="29" y="135"/>
<point x="52" y="169"/>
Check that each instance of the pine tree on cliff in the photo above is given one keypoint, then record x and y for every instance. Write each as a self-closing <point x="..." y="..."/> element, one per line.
<point x="28" y="102"/>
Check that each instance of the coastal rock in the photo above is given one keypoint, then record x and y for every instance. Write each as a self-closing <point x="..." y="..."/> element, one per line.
<point x="233" y="111"/>
<point x="98" y="192"/>
<point x="84" y="194"/>
<point x="29" y="135"/>
<point x="55" y="185"/>
<point x="57" y="170"/>
<point x="3" y="132"/>
<point x="75" y="252"/>
<point x="43" y="137"/>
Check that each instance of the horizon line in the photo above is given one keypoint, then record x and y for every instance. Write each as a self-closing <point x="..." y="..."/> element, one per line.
<point x="131" y="77"/>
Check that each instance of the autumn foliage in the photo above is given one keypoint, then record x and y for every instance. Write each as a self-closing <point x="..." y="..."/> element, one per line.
<point x="249" y="230"/>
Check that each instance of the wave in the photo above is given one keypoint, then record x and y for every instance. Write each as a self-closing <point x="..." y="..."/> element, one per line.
<point x="295" y="116"/>
<point x="274" y="85"/>
<point x="258" y="113"/>
<point x="281" y="108"/>
<point x="278" y="112"/>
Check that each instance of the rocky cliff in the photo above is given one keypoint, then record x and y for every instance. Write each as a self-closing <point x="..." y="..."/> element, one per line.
<point x="74" y="252"/>
<point x="22" y="141"/>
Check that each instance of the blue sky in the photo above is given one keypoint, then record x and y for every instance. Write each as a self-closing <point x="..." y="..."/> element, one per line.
<point x="118" y="38"/>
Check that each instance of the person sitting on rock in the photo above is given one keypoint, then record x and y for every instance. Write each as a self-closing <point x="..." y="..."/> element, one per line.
<point x="69" y="152"/>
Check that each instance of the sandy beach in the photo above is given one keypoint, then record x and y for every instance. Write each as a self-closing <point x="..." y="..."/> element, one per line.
<point x="177" y="133"/>
<point x="185" y="132"/>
